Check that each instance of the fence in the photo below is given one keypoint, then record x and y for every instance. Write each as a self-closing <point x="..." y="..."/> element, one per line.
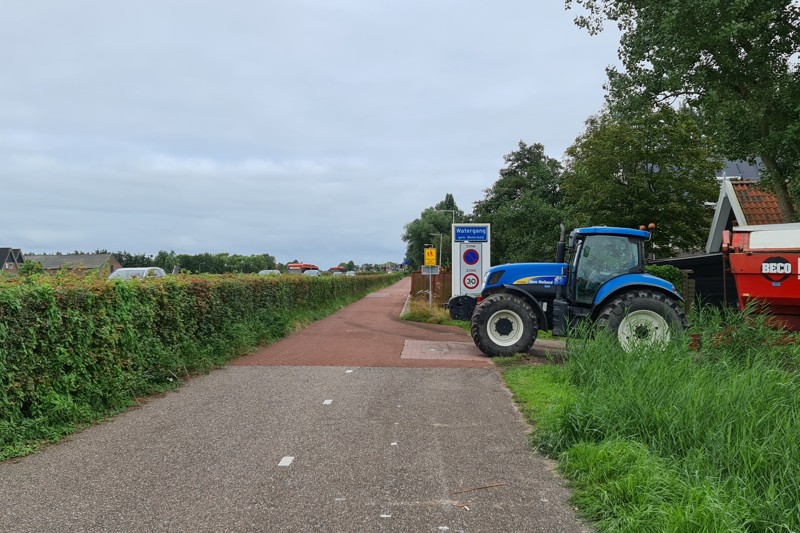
<point x="442" y="285"/>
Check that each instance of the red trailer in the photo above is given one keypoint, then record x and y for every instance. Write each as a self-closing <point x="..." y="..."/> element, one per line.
<point x="765" y="261"/>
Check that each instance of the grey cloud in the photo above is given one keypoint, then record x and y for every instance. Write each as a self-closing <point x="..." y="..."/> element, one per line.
<point x="305" y="129"/>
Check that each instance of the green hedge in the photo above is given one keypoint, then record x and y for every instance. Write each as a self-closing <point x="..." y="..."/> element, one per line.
<point x="669" y="273"/>
<point x="73" y="351"/>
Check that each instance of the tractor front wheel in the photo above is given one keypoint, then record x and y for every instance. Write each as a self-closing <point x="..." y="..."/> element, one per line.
<point x="503" y="324"/>
<point x="642" y="318"/>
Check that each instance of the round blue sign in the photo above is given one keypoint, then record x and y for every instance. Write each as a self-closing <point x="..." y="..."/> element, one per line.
<point x="471" y="256"/>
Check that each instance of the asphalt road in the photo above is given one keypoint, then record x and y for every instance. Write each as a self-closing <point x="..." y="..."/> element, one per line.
<point x="299" y="448"/>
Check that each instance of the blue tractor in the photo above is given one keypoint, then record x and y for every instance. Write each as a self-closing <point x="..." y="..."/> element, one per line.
<point x="604" y="282"/>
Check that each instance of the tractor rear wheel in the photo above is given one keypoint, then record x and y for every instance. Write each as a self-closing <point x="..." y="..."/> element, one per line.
<point x="642" y="318"/>
<point x="504" y="324"/>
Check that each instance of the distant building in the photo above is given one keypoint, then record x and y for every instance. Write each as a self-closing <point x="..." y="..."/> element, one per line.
<point x="10" y="260"/>
<point x="78" y="263"/>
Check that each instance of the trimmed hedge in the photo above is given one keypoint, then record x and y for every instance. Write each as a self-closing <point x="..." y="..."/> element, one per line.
<point x="73" y="351"/>
<point x="669" y="273"/>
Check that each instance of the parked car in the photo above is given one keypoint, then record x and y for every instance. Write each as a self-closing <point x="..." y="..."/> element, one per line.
<point x="311" y="273"/>
<point x="269" y="272"/>
<point x="137" y="273"/>
<point x="350" y="273"/>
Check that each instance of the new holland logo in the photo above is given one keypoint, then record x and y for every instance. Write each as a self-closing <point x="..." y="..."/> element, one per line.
<point x="776" y="269"/>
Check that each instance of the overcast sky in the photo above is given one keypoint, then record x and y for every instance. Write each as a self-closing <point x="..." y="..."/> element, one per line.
<point x="306" y="129"/>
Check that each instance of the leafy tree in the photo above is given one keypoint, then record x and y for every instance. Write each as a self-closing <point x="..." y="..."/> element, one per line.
<point x="433" y="222"/>
<point x="657" y="168"/>
<point x="350" y="265"/>
<point x="166" y="260"/>
<point x="524" y="207"/>
<point x="127" y="259"/>
<point x="29" y="268"/>
<point x="736" y="61"/>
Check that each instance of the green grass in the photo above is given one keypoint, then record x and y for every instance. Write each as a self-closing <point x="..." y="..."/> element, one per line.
<point x="675" y="439"/>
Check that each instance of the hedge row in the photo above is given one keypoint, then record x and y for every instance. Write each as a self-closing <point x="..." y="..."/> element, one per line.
<point x="73" y="351"/>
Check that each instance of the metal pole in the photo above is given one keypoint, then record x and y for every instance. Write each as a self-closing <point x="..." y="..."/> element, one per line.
<point x="430" y="291"/>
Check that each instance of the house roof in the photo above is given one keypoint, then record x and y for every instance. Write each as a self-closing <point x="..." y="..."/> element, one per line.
<point x="758" y="205"/>
<point x="51" y="262"/>
<point x="11" y="255"/>
<point x="745" y="204"/>
<point x="741" y="169"/>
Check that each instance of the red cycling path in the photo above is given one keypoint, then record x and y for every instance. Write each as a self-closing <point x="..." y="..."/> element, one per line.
<point x="370" y="333"/>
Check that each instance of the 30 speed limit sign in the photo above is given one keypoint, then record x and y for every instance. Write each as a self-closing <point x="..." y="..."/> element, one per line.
<point x="471" y="281"/>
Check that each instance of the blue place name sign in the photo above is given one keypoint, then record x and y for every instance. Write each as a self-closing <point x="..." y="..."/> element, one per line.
<point x="472" y="233"/>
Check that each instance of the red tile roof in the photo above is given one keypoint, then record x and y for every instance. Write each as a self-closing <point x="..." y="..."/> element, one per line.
<point x="759" y="206"/>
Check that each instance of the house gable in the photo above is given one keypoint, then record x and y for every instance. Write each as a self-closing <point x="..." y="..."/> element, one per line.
<point x="741" y="203"/>
<point x="10" y="259"/>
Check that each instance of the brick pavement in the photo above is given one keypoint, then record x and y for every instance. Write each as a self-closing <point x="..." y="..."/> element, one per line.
<point x="370" y="333"/>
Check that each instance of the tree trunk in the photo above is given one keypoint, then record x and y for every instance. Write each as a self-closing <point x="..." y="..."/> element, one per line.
<point x="778" y="183"/>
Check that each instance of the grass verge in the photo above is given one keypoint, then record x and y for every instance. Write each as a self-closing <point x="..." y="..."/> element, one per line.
<point x="675" y="439"/>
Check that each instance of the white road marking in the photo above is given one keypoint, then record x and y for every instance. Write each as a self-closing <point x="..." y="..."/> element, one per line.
<point x="386" y="516"/>
<point x="327" y="402"/>
<point x="286" y="461"/>
<point x="393" y="444"/>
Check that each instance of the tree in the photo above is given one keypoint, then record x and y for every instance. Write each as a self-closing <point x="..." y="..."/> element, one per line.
<point x="29" y="268"/>
<point x="127" y="259"/>
<point x="524" y="207"/>
<point x="432" y="227"/>
<point x="166" y="260"/>
<point x="657" y="167"/>
<point x="736" y="61"/>
<point x="350" y="265"/>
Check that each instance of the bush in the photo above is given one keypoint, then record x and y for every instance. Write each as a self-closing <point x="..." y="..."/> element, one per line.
<point x="74" y="350"/>
<point x="669" y="273"/>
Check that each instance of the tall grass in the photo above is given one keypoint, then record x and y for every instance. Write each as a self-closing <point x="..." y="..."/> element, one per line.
<point x="682" y="439"/>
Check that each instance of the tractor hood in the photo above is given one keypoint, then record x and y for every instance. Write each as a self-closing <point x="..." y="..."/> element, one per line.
<point x="548" y="274"/>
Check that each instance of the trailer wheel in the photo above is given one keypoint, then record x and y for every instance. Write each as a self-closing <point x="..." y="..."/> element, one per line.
<point x="503" y="324"/>
<point x="642" y="318"/>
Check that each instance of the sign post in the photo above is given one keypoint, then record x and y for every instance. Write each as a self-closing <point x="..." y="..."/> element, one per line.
<point x="471" y="245"/>
<point x="430" y="269"/>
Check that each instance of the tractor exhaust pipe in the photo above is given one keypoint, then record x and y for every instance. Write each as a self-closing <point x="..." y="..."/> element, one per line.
<point x="561" y="247"/>
<point x="561" y="252"/>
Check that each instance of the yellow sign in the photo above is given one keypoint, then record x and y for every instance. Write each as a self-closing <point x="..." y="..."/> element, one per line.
<point x="430" y="257"/>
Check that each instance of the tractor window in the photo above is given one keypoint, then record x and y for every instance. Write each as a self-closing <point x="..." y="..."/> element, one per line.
<point x="601" y="258"/>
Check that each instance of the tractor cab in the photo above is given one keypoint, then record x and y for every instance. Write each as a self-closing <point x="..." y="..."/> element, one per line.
<point x="600" y="254"/>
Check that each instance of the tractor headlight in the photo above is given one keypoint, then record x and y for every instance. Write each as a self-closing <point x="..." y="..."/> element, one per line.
<point x="494" y="278"/>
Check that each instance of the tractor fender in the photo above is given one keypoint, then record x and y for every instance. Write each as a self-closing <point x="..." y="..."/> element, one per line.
<point x="625" y="282"/>
<point x="533" y="302"/>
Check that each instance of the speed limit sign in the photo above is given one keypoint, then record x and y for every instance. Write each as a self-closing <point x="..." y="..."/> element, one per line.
<point x="471" y="281"/>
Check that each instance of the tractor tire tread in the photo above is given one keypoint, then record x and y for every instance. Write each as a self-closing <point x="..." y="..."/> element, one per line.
<point x="483" y="312"/>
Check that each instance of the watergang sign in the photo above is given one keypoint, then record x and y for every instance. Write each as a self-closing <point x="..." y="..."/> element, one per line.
<point x="471" y="233"/>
